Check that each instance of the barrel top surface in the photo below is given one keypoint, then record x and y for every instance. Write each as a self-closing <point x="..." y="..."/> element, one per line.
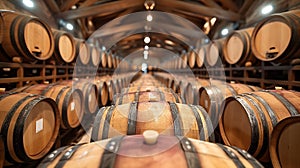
<point x="213" y="54"/>
<point x="234" y="49"/>
<point x="38" y="39"/>
<point x="236" y="124"/>
<point x="271" y="38"/>
<point x="66" y="48"/>
<point x="39" y="127"/>
<point x="284" y="145"/>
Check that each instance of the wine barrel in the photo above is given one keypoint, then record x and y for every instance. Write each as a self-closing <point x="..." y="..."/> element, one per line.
<point x="25" y="36"/>
<point x="211" y="97"/>
<point x="191" y="59"/>
<point x="257" y="113"/>
<point x="29" y="126"/>
<point x="145" y="89"/>
<point x="95" y="56"/>
<point x="184" y="61"/>
<point x="165" y="117"/>
<point x="215" y="53"/>
<point x="285" y="144"/>
<point x="275" y="38"/>
<point x="103" y="59"/>
<point x="201" y="56"/>
<point x="103" y="94"/>
<point x="2" y="152"/>
<point x="109" y="60"/>
<point x="89" y="91"/>
<point x="152" y="96"/>
<point x="237" y="48"/>
<point x="133" y="152"/>
<point x="69" y="101"/>
<point x="65" y="50"/>
<point x="82" y="52"/>
<point x="191" y="90"/>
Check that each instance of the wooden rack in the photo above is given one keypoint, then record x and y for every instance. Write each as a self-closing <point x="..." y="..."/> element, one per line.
<point x="265" y="76"/>
<point x="14" y="75"/>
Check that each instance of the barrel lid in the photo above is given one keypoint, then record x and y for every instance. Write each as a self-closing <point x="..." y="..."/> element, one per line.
<point x="271" y="38"/>
<point x="233" y="49"/>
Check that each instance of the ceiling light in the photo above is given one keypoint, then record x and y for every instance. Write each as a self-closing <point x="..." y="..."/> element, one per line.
<point x="225" y="31"/>
<point x="149" y="18"/>
<point x="145" y="56"/>
<point x="146" y="47"/>
<point x="28" y="3"/>
<point x="169" y="42"/>
<point x="213" y="20"/>
<point x="146" y="52"/>
<point x="158" y="45"/>
<point x="206" y="25"/>
<point x="147" y="40"/>
<point x="149" y="4"/>
<point x="267" y="9"/>
<point x="69" y="26"/>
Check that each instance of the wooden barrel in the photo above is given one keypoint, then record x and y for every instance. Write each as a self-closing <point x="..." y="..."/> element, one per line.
<point x="103" y="59"/>
<point x="211" y="97"/>
<point x="89" y="91"/>
<point x="165" y="117"/>
<point x="201" y="56"/>
<point x="151" y="96"/>
<point x="65" y="49"/>
<point x="69" y="102"/>
<point x="184" y="61"/>
<point x="191" y="90"/>
<point x="82" y="52"/>
<point x="145" y="89"/>
<point x="2" y="152"/>
<point x="275" y="38"/>
<point x="25" y="36"/>
<point x="133" y="152"/>
<point x="237" y="48"/>
<point x="215" y="53"/>
<point x="29" y="126"/>
<point x="109" y="60"/>
<point x="285" y="144"/>
<point x="257" y="113"/>
<point x="191" y="58"/>
<point x="95" y="56"/>
<point x="103" y="94"/>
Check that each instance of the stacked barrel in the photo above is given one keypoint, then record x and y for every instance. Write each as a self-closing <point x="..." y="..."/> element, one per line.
<point x="148" y="120"/>
<point x="245" y="115"/>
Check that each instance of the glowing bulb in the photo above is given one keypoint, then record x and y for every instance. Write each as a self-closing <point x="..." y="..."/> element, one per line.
<point x="28" y="3"/>
<point x="146" y="52"/>
<point x="224" y="32"/>
<point x="267" y="9"/>
<point x="146" y="47"/>
<point x="149" y="18"/>
<point x="69" y="26"/>
<point x="145" y="56"/>
<point x="147" y="40"/>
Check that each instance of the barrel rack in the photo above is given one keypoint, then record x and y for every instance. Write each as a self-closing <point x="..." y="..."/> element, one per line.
<point x="265" y="76"/>
<point x="14" y="75"/>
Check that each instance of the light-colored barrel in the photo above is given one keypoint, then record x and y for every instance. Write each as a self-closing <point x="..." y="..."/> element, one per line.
<point x="29" y="126"/>
<point x="133" y="152"/>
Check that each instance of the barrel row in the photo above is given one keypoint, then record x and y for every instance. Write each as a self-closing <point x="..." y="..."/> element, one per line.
<point x="262" y="122"/>
<point x="122" y="131"/>
<point x="273" y="39"/>
<point x="19" y="39"/>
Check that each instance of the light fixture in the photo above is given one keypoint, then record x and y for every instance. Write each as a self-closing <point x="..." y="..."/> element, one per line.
<point x="69" y="26"/>
<point x="146" y="52"/>
<point x="206" y="25"/>
<point x="145" y="56"/>
<point x="28" y="3"/>
<point x="225" y="31"/>
<point x="158" y="45"/>
<point x="213" y="20"/>
<point x="149" y="18"/>
<point x="147" y="39"/>
<point x="149" y="4"/>
<point x="267" y="9"/>
<point x="169" y="42"/>
<point x="146" y="47"/>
